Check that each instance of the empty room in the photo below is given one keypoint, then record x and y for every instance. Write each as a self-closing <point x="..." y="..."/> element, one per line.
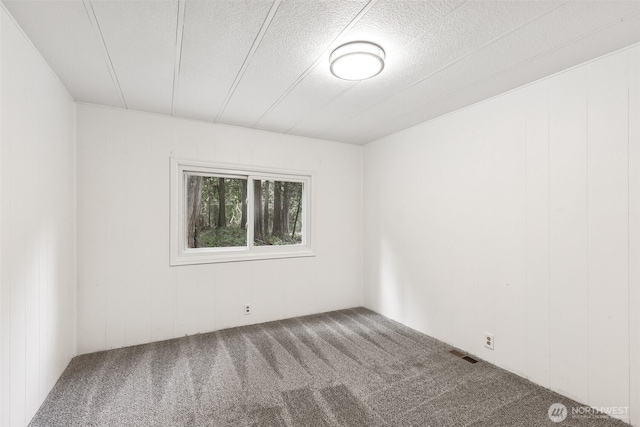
<point x="319" y="213"/>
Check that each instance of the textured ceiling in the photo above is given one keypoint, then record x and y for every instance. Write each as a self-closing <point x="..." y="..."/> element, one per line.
<point x="264" y="64"/>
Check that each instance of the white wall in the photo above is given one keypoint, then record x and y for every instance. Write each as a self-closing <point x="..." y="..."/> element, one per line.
<point x="37" y="221"/>
<point x="520" y="216"/>
<point x="128" y="294"/>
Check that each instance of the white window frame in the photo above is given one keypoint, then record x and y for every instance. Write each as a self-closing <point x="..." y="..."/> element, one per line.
<point x="182" y="255"/>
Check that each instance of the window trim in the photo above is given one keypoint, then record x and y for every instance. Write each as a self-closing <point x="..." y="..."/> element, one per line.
<point x="180" y="255"/>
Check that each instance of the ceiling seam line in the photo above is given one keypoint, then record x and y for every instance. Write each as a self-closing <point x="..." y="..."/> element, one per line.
<point x="247" y="60"/>
<point x="440" y="19"/>
<point x="308" y="71"/>
<point x="604" y="27"/>
<point x="444" y="67"/>
<point x="93" y="19"/>
<point x="489" y="43"/>
<point x="178" y="58"/>
<point x="326" y="104"/>
<point x="404" y="46"/>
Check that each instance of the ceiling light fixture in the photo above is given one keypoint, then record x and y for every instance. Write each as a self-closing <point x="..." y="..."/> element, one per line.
<point x="357" y="61"/>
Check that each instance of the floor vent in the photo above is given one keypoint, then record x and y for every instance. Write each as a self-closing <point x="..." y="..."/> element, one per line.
<point x="463" y="356"/>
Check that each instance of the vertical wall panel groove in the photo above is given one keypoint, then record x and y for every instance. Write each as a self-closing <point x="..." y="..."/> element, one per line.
<point x="568" y="244"/>
<point x="634" y="233"/>
<point x="3" y="320"/>
<point x="537" y="234"/>
<point x="608" y="232"/>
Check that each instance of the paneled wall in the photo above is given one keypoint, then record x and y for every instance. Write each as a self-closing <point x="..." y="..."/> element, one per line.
<point x="127" y="292"/>
<point x="520" y="216"/>
<point x="37" y="225"/>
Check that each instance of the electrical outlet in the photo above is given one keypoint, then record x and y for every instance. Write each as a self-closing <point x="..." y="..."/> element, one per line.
<point x="488" y="340"/>
<point x="247" y="309"/>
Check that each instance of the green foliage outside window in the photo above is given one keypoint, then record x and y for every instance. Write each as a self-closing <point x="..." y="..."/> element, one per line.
<point x="217" y="212"/>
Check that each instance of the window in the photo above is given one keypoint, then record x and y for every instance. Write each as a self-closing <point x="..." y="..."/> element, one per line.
<point x="225" y="213"/>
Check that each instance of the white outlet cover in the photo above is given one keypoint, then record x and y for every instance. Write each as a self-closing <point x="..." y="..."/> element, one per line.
<point x="489" y="341"/>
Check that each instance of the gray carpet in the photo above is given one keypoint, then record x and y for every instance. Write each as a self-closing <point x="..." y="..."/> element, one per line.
<point x="344" y="368"/>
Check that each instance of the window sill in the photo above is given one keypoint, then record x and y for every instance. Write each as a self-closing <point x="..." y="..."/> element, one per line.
<point x="220" y="257"/>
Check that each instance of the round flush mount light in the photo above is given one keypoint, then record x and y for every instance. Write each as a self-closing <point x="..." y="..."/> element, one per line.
<point x="357" y="61"/>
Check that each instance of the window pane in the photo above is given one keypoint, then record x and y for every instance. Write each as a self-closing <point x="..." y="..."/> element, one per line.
<point x="216" y="212"/>
<point x="277" y="212"/>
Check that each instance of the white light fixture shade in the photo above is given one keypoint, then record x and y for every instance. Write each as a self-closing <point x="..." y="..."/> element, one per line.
<point x="357" y="61"/>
